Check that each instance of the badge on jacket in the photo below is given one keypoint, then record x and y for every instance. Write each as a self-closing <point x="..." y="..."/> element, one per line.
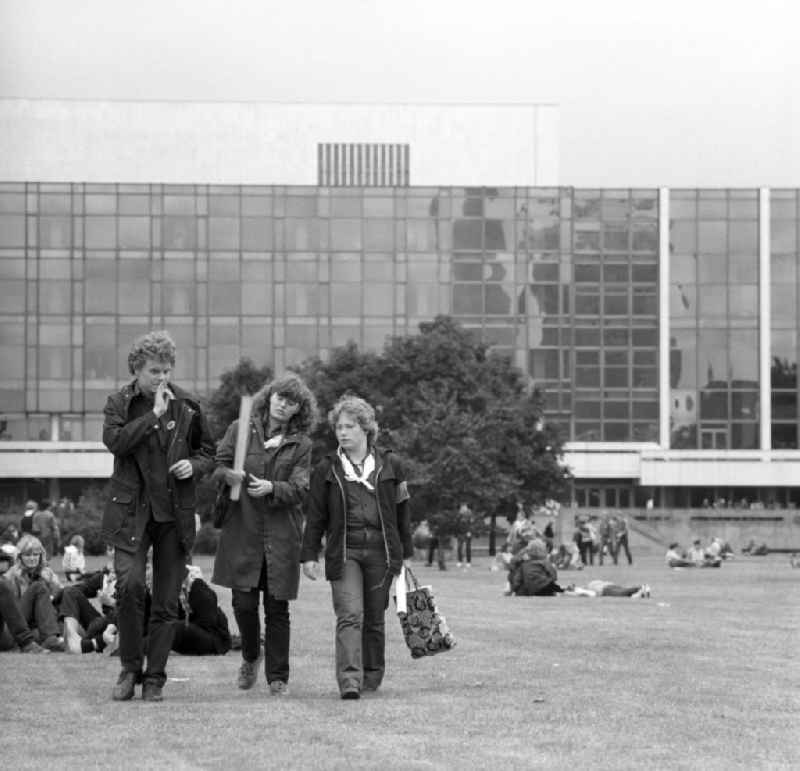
<point x="170" y="425"/>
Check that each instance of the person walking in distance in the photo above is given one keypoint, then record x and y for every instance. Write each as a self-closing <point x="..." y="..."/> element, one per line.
<point x="464" y="536"/>
<point x="621" y="539"/>
<point x="46" y="529"/>
<point x="161" y="447"/>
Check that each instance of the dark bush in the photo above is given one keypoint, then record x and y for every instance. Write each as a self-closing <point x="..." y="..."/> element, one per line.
<point x="85" y="519"/>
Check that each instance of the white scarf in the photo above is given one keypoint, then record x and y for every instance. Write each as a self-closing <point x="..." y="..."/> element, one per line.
<point x="350" y="472"/>
<point x="273" y="441"/>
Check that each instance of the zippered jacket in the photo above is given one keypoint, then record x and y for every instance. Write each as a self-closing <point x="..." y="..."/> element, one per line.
<point x="127" y="510"/>
<point x="326" y="513"/>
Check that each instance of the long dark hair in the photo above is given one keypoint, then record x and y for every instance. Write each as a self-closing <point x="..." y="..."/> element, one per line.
<point x="292" y="387"/>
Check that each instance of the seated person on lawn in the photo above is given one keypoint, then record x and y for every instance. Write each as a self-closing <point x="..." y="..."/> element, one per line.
<point x="14" y="630"/>
<point x="676" y="557"/>
<point x="701" y="556"/>
<point x="531" y="572"/>
<point x="73" y="563"/>
<point x="202" y="626"/>
<point x="34" y="584"/>
<point x="86" y="629"/>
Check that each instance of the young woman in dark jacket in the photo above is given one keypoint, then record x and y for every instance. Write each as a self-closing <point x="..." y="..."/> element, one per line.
<point x="259" y="548"/>
<point x="359" y="502"/>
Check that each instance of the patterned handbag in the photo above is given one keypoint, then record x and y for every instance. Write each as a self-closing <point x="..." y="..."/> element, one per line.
<point x="425" y="630"/>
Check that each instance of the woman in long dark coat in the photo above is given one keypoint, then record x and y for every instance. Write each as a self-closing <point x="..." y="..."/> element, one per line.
<point x="259" y="548"/>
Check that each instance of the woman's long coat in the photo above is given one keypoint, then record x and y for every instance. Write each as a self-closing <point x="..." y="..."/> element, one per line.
<point x="270" y="527"/>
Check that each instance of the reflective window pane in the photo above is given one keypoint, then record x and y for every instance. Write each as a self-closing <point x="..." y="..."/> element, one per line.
<point x="223" y="233"/>
<point x="54" y="233"/>
<point x="345" y="235"/>
<point x="179" y="233"/>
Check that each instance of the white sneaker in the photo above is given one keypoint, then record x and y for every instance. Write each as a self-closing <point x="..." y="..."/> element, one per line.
<point x="458" y="564"/>
<point x="72" y="635"/>
<point x="111" y="639"/>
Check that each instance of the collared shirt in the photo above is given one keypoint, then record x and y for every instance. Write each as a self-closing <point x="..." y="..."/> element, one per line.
<point x="362" y="505"/>
<point x="156" y="482"/>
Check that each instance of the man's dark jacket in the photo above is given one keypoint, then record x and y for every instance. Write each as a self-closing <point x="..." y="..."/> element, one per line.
<point x="127" y="510"/>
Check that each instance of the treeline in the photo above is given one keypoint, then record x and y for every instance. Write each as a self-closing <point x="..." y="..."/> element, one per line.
<point x="463" y="418"/>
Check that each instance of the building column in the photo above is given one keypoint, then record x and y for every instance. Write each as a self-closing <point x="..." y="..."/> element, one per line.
<point x="664" y="391"/>
<point x="764" y="320"/>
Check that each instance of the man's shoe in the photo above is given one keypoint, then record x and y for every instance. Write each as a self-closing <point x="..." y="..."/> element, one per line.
<point x="248" y="674"/>
<point x="351" y="694"/>
<point x="33" y="647"/>
<point x="151" y="691"/>
<point x="123" y="690"/>
<point x="55" y="643"/>
<point x="278" y="688"/>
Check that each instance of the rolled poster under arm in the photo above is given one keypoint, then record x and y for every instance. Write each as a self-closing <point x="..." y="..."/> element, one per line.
<point x="242" y="434"/>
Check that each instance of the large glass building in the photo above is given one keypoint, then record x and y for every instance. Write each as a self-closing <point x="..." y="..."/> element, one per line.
<point x="661" y="324"/>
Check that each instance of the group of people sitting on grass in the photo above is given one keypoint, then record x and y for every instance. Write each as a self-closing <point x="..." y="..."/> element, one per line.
<point x="698" y="556"/>
<point x="41" y="613"/>
<point x="533" y="570"/>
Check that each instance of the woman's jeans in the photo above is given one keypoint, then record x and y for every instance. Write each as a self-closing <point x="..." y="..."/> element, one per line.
<point x="276" y="627"/>
<point x="38" y="610"/>
<point x="360" y="599"/>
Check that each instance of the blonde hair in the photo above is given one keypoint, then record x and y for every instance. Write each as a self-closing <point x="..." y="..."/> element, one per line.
<point x="359" y="409"/>
<point x="157" y="345"/>
<point x="77" y="540"/>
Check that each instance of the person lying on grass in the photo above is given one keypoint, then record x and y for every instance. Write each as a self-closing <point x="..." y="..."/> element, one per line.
<point x="600" y="588"/>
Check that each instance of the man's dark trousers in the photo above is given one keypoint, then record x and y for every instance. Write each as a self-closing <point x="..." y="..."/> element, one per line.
<point x="169" y="563"/>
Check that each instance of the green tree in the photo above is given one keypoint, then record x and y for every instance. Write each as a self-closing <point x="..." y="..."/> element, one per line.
<point x="463" y="418"/>
<point x="222" y="407"/>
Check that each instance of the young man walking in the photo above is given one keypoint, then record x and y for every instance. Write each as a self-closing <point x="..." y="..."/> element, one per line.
<point x="161" y="447"/>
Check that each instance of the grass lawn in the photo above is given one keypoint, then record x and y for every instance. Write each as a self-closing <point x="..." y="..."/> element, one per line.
<point x="705" y="674"/>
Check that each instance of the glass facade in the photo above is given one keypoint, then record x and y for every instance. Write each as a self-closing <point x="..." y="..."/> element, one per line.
<point x="563" y="280"/>
<point x="784" y="318"/>
<point x="714" y="319"/>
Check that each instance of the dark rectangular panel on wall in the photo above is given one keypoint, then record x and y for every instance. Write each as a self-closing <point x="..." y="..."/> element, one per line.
<point x="363" y="165"/>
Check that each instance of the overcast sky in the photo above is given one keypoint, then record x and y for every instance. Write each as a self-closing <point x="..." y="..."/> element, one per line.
<point x="679" y="93"/>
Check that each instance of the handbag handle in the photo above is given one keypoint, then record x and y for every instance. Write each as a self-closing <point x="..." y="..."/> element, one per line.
<point x="412" y="577"/>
